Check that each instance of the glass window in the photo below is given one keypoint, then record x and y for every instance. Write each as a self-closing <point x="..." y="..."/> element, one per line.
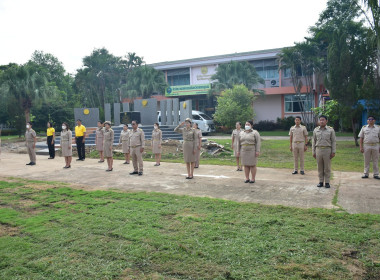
<point x="298" y="103"/>
<point x="266" y="68"/>
<point x="206" y="117"/>
<point x="196" y="117"/>
<point x="179" y="77"/>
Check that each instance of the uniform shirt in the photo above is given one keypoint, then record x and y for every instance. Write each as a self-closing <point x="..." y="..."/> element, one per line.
<point x="298" y="132"/>
<point x="235" y="135"/>
<point x="124" y="136"/>
<point x="50" y="131"/>
<point x="80" y="130"/>
<point x="324" y="137"/>
<point x="137" y="138"/>
<point x="250" y="137"/>
<point x="188" y="134"/>
<point x="371" y="135"/>
<point x="157" y="135"/>
<point x="109" y="135"/>
<point x="30" y="135"/>
<point x="66" y="136"/>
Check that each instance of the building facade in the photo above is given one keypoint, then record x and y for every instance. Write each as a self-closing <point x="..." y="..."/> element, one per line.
<point x="191" y="79"/>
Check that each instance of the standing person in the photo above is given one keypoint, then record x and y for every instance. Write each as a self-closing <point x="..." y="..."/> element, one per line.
<point x="234" y="144"/>
<point x="30" y="142"/>
<point x="249" y="144"/>
<point x="156" y="143"/>
<point x="80" y="138"/>
<point x="369" y="146"/>
<point x="198" y="144"/>
<point x="109" y="137"/>
<point x="298" y="140"/>
<point x="67" y="144"/>
<point x="189" y="147"/>
<point x="99" y="138"/>
<point x="324" y="148"/>
<point x="124" y="141"/>
<point x="50" y="133"/>
<point x="137" y="145"/>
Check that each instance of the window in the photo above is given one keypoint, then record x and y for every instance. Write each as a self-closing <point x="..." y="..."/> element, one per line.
<point x="179" y="77"/>
<point x="266" y="68"/>
<point x="295" y="103"/>
<point x="196" y="117"/>
<point x="206" y="117"/>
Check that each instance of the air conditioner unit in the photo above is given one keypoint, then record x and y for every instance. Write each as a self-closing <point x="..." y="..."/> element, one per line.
<point x="275" y="83"/>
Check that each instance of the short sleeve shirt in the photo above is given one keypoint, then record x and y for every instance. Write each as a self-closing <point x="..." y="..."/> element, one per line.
<point x="298" y="132"/>
<point x="50" y="131"/>
<point x="371" y="135"/>
<point x="80" y="130"/>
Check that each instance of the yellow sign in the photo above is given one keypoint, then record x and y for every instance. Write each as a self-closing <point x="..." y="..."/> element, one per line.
<point x="144" y="103"/>
<point x="86" y="111"/>
<point x="184" y="105"/>
<point x="204" y="70"/>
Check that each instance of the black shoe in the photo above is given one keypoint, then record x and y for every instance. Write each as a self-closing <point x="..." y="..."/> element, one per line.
<point x="320" y="185"/>
<point x="246" y="181"/>
<point x="302" y="172"/>
<point x="376" y="177"/>
<point x="50" y="158"/>
<point x="327" y="185"/>
<point x="251" y="182"/>
<point x="109" y="170"/>
<point x="78" y="159"/>
<point x="30" y="163"/>
<point x="364" y="176"/>
<point x="295" y="172"/>
<point x="133" y="173"/>
<point x="140" y="173"/>
<point x="125" y="162"/>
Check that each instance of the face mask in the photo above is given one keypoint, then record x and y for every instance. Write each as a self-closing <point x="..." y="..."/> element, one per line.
<point x="155" y="127"/>
<point x="63" y="126"/>
<point x="247" y="127"/>
<point x="28" y="126"/>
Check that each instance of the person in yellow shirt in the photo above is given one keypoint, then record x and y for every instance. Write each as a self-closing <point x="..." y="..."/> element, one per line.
<point x="80" y="138"/>
<point x="50" y="133"/>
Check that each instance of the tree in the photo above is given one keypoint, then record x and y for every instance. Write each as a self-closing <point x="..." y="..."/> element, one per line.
<point x="234" y="105"/>
<point x="235" y="73"/>
<point x="144" y="81"/>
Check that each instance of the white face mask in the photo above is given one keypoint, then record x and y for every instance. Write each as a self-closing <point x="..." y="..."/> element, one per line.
<point x="155" y="127"/>
<point x="63" y="126"/>
<point x="247" y="127"/>
<point x="27" y="126"/>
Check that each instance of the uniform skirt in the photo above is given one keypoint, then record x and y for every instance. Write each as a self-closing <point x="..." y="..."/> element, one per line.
<point x="248" y="155"/>
<point x="156" y="149"/>
<point x="125" y="146"/>
<point x="188" y="149"/>
<point x="99" y="144"/>
<point x="66" y="152"/>
<point x="236" y="148"/>
<point x="106" y="149"/>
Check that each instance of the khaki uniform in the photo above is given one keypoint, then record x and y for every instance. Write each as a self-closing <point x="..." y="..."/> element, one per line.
<point x="234" y="136"/>
<point x="137" y="141"/>
<point x="249" y="144"/>
<point x="371" y="136"/>
<point x="156" y="141"/>
<point x="189" y="142"/>
<point x="30" y="135"/>
<point x="66" y="143"/>
<point x="299" y="133"/>
<point x="124" y="141"/>
<point x="198" y="151"/>
<point x="324" y="144"/>
<point x="109" y="136"/>
<point x="99" y="138"/>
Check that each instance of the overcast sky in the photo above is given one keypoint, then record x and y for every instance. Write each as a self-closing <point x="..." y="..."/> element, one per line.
<point x="159" y="31"/>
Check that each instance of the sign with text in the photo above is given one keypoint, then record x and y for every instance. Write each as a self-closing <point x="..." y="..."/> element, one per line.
<point x="187" y="90"/>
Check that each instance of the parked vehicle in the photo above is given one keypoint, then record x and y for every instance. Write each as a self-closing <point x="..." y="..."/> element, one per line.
<point x="205" y="122"/>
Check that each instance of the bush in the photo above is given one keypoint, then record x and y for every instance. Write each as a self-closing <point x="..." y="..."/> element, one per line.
<point x="266" y="126"/>
<point x="285" y="123"/>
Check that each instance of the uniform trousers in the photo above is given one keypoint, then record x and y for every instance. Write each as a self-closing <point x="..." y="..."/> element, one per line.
<point x="371" y="152"/>
<point x="31" y="151"/>
<point x="324" y="163"/>
<point x="298" y="152"/>
<point x="81" y="148"/>
<point x="137" y="158"/>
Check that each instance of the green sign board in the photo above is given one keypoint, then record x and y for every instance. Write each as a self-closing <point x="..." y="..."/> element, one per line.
<point x="187" y="90"/>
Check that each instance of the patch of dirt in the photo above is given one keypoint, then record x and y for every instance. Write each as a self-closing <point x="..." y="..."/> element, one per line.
<point x="7" y="230"/>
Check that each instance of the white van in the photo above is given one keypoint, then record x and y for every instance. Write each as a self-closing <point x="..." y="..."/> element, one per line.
<point x="205" y="122"/>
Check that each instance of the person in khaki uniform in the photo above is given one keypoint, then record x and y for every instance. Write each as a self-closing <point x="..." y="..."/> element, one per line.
<point x="189" y="145"/>
<point x="234" y="146"/>
<point x="137" y="145"/>
<point x="324" y="148"/>
<point x="249" y="144"/>
<point x="298" y="141"/>
<point x="198" y="144"/>
<point x="369" y="146"/>
<point x="108" y="144"/>
<point x="99" y="138"/>
<point x="66" y="144"/>
<point x="124" y="141"/>
<point x="156" y="143"/>
<point x="30" y="143"/>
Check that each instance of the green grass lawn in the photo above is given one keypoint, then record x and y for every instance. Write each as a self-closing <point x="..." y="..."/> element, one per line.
<point x="280" y="133"/>
<point x="52" y="231"/>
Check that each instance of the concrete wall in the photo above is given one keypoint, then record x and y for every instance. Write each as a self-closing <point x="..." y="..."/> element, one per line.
<point x="90" y="119"/>
<point x="148" y="111"/>
<point x="116" y="114"/>
<point x="185" y="109"/>
<point x="107" y="112"/>
<point x="267" y="107"/>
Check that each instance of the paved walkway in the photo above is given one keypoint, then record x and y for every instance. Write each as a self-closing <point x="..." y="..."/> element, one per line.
<point x="272" y="187"/>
